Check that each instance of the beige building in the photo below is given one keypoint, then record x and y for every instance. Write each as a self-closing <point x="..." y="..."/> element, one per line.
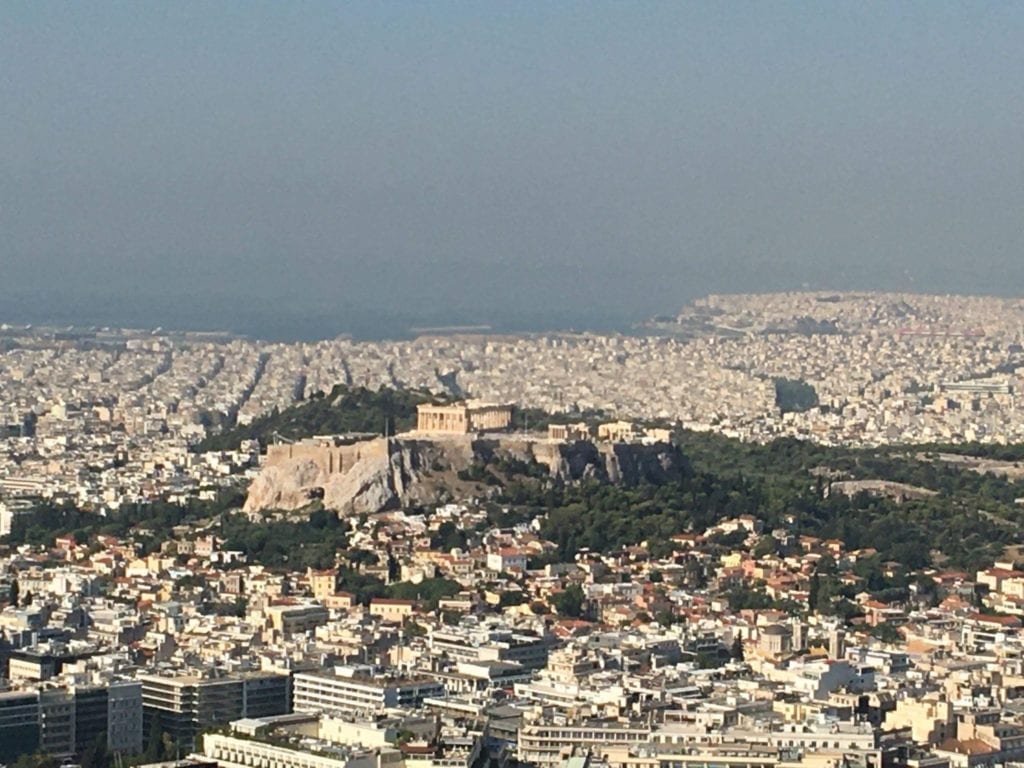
<point x="391" y="609"/>
<point x="340" y="600"/>
<point x="930" y="720"/>
<point x="775" y="640"/>
<point x="464" y="418"/>
<point x="569" y="432"/>
<point x="323" y="583"/>
<point x="295" y="618"/>
<point x="234" y="752"/>
<point x="617" y="432"/>
<point x="374" y="732"/>
<point x="354" y="693"/>
<point x="658" y="435"/>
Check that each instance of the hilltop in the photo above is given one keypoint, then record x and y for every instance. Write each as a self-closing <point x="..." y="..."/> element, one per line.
<point x="605" y="495"/>
<point x="344" y="410"/>
<point x="956" y="514"/>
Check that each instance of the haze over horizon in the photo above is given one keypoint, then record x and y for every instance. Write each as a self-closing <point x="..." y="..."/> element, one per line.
<point x="342" y="168"/>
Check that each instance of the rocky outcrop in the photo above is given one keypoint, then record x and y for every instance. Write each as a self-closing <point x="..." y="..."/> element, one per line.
<point x="618" y="463"/>
<point x="378" y="481"/>
<point x="417" y="470"/>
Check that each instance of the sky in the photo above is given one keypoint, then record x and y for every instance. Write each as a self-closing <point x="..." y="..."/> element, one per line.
<point x="519" y="163"/>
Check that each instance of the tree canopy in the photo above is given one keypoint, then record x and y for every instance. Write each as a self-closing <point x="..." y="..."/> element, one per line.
<point x="343" y="410"/>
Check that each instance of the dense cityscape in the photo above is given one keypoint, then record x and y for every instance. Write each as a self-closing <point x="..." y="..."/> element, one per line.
<point x="886" y="369"/>
<point x="676" y="548"/>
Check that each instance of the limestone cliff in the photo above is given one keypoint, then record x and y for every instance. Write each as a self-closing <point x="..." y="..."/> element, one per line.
<point x="387" y="474"/>
<point x="376" y="481"/>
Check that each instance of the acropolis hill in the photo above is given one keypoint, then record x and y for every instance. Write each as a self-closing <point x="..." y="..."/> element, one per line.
<point x="360" y="474"/>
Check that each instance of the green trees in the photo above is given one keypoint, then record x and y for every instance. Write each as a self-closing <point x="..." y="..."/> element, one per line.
<point x="794" y="395"/>
<point x="824" y="591"/>
<point x="570" y="601"/>
<point x="736" y="652"/>
<point x="365" y="588"/>
<point x="765" y="546"/>
<point x="784" y="484"/>
<point x="744" y="597"/>
<point x="155" y="750"/>
<point x="477" y="472"/>
<point x="96" y="755"/>
<point x="429" y="592"/>
<point x="509" y="599"/>
<point x="926" y="590"/>
<point x="345" y="409"/>
<point x="886" y="632"/>
<point x="666" y="618"/>
<point x="448" y="537"/>
<point x="297" y="544"/>
<point x="157" y="519"/>
<point x="36" y="760"/>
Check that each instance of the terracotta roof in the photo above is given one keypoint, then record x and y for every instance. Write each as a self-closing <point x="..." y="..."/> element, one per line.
<point x="967" y="746"/>
<point x="1003" y="573"/>
<point x="1004" y="621"/>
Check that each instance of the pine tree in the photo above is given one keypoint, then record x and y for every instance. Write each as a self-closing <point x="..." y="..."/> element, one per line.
<point x="737" y="650"/>
<point x="155" y="752"/>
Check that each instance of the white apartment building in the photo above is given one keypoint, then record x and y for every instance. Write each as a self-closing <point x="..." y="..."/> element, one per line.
<point x="319" y="692"/>
<point x="233" y="752"/>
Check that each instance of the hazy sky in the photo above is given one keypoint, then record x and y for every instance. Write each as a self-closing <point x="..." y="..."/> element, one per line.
<point x="473" y="159"/>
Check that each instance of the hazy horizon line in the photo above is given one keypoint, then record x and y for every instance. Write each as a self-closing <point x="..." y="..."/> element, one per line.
<point x="323" y="320"/>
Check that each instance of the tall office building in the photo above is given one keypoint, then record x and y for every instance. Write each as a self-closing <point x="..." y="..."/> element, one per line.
<point x="19" y="724"/>
<point x="66" y="721"/>
<point x="183" y="706"/>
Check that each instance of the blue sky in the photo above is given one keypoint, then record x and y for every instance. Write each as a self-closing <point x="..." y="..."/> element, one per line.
<point x="468" y="159"/>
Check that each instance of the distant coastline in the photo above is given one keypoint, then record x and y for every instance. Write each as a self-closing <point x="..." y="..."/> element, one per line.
<point x="313" y="321"/>
<point x="443" y="330"/>
<point x="291" y="321"/>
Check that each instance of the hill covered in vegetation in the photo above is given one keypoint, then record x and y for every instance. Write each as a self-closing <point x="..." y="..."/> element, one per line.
<point x="786" y="484"/>
<point x="406" y="470"/>
<point x="964" y="519"/>
<point x="358" y="409"/>
<point x="344" y="410"/>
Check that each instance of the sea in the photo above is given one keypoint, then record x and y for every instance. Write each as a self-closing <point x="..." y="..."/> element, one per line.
<point x="291" y="321"/>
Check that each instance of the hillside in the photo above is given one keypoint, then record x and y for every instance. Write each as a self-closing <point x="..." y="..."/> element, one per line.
<point x="958" y="517"/>
<point x="349" y="410"/>
<point x="968" y="521"/>
<point x="381" y="474"/>
<point x="607" y="496"/>
<point x="345" y="410"/>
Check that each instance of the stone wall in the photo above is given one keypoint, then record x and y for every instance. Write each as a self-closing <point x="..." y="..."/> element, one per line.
<point x="326" y="456"/>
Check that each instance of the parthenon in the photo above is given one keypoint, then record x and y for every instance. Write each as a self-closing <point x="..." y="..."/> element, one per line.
<point x="464" y="418"/>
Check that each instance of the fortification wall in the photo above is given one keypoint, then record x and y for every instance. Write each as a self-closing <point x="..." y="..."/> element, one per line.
<point x="329" y="459"/>
<point x="379" y="474"/>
